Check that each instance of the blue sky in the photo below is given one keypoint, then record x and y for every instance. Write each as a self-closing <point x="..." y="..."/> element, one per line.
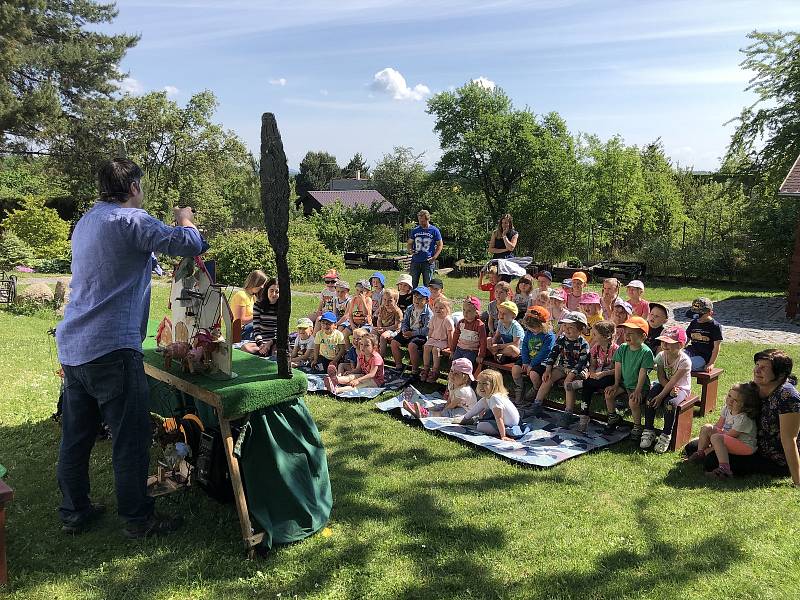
<point x="353" y="76"/>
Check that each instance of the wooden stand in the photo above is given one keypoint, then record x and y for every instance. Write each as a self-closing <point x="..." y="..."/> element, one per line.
<point x="709" y="383"/>
<point x="6" y="496"/>
<point x="250" y="539"/>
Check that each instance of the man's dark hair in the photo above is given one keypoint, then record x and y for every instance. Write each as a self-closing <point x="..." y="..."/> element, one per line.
<point x="781" y="364"/>
<point x="114" y="179"/>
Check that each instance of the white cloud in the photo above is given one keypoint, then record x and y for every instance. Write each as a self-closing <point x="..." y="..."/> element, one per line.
<point x="390" y="81"/>
<point x="688" y="76"/>
<point x="129" y="85"/>
<point x="171" y="90"/>
<point x="281" y="82"/>
<point x="485" y="83"/>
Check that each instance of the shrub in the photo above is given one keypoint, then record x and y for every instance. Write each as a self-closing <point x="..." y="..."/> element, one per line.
<point x="240" y="251"/>
<point x="13" y="252"/>
<point x="41" y="228"/>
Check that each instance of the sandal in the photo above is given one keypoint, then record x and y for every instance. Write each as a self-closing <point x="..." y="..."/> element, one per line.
<point x="433" y="377"/>
<point x="696" y="457"/>
<point x="720" y="473"/>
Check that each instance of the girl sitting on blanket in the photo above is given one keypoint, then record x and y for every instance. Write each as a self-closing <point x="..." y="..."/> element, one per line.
<point x="265" y="320"/>
<point x="387" y="320"/>
<point x="349" y="363"/>
<point x="460" y="396"/>
<point x="368" y="373"/>
<point x="498" y="415"/>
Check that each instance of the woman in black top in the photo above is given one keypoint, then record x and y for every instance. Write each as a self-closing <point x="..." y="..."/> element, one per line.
<point x="504" y="238"/>
<point x="265" y="320"/>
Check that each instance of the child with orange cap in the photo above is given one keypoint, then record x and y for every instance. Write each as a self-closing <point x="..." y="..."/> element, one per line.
<point x="573" y="297"/>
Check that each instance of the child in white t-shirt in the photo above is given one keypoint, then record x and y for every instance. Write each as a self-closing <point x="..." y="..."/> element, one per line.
<point x="460" y="396"/>
<point x="303" y="349"/>
<point x="502" y="415"/>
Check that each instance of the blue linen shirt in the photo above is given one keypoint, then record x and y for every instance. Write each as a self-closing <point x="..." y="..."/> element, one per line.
<point x="111" y="269"/>
<point x="424" y="242"/>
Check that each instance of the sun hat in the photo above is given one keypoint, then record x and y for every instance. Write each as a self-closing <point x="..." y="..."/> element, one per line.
<point x="674" y="335"/>
<point x="509" y="306"/>
<point x="590" y="298"/>
<point x="540" y="313"/>
<point x="304" y="323"/>
<point x="636" y="284"/>
<point x="580" y="276"/>
<point x="422" y="291"/>
<point x="659" y="305"/>
<point x="404" y="279"/>
<point x="556" y="294"/>
<point x="637" y="323"/>
<point x="574" y="316"/>
<point x="436" y="282"/>
<point x="476" y="302"/>
<point x="328" y="316"/>
<point x="379" y="276"/>
<point x="343" y="285"/>
<point x="363" y="283"/>
<point x="626" y="305"/>
<point x="331" y="274"/>
<point x="462" y="365"/>
<point x="546" y="274"/>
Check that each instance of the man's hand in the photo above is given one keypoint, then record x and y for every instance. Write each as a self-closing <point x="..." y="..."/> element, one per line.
<point x="184" y="216"/>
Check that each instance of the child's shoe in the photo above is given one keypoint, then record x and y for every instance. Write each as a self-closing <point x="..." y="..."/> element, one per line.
<point x="536" y="409"/>
<point x="330" y="385"/>
<point x="636" y="432"/>
<point x="433" y="376"/>
<point x="583" y="423"/>
<point x="331" y="371"/>
<point x="423" y="374"/>
<point x="565" y="421"/>
<point x="614" y="421"/>
<point x="648" y="437"/>
<point x="697" y="457"/>
<point x="519" y="395"/>
<point x="662" y="444"/>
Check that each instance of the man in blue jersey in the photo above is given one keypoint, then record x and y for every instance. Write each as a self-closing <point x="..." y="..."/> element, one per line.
<point x="100" y="347"/>
<point x="425" y="244"/>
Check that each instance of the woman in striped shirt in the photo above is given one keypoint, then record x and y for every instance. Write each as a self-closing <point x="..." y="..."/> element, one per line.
<point x="265" y="320"/>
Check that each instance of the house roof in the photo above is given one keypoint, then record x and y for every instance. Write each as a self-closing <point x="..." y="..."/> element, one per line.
<point x="791" y="185"/>
<point x="351" y="198"/>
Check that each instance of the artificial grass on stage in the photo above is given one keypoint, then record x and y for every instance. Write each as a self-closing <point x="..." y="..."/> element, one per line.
<point x="257" y="385"/>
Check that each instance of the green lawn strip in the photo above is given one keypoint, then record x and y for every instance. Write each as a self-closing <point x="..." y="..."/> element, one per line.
<point x="415" y="516"/>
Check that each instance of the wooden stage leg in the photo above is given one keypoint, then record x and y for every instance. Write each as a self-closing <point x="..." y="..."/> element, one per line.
<point x="250" y="540"/>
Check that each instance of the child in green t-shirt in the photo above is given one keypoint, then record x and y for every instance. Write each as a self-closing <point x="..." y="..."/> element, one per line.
<point x="632" y="362"/>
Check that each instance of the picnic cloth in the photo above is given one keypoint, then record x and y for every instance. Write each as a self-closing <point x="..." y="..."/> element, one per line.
<point x="394" y="379"/>
<point x="256" y="386"/>
<point x="285" y="472"/>
<point x="542" y="442"/>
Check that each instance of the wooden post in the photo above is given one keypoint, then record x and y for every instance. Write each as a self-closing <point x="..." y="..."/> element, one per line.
<point x="275" y="201"/>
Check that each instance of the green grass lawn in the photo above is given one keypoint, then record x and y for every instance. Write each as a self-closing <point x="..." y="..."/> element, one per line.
<point x="415" y="515"/>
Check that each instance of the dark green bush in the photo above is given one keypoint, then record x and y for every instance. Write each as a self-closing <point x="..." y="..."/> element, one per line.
<point x="239" y="252"/>
<point x="13" y="252"/>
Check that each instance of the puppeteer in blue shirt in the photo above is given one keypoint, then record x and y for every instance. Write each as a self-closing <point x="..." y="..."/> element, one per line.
<point x="109" y="304"/>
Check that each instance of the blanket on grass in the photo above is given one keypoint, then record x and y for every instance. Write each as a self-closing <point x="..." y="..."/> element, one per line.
<point x="542" y="442"/>
<point x="394" y="380"/>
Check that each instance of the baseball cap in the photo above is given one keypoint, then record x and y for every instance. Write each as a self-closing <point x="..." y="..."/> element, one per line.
<point x="574" y="317"/>
<point x="637" y="323"/>
<point x="659" y="305"/>
<point x="700" y="306"/>
<point x="476" y="302"/>
<point x="674" y="335"/>
<point x="328" y="316"/>
<point x="580" y="276"/>
<point x="547" y="274"/>
<point x="590" y="298"/>
<point x="626" y="305"/>
<point x="636" y="284"/>
<point x="540" y="313"/>
<point x="436" y="282"/>
<point x="422" y="291"/>
<point x="304" y="323"/>
<point x="556" y="294"/>
<point x="567" y="283"/>
<point x="342" y="284"/>
<point x="404" y="279"/>
<point x="462" y="365"/>
<point x="509" y="306"/>
<point x="379" y="276"/>
<point x="331" y="274"/>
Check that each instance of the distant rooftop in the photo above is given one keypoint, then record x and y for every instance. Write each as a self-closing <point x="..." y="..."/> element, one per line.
<point x="791" y="185"/>
<point x="315" y="200"/>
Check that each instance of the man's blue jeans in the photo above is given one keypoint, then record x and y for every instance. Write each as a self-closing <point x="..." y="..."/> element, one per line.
<point x="112" y="388"/>
<point x="425" y="269"/>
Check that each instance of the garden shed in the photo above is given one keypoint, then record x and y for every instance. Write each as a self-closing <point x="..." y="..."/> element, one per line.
<point x="790" y="188"/>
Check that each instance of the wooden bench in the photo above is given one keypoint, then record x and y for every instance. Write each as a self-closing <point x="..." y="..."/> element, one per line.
<point x="709" y="384"/>
<point x="6" y="496"/>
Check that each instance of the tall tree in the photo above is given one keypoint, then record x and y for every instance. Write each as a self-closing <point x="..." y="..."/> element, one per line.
<point x="487" y="144"/>
<point x="400" y="176"/>
<point x="316" y="171"/>
<point x="50" y="62"/>
<point x="356" y="167"/>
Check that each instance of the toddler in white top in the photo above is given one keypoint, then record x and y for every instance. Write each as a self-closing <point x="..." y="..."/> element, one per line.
<point x="460" y="396"/>
<point x="502" y="415"/>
